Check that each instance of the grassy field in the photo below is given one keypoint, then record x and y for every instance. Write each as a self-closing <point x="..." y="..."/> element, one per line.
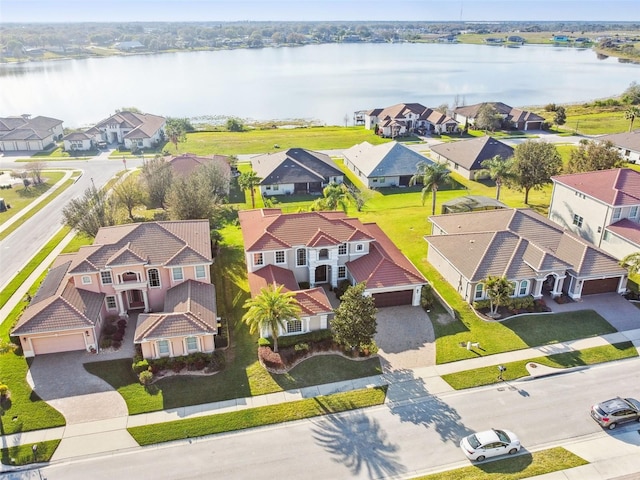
<point x="19" y="197"/>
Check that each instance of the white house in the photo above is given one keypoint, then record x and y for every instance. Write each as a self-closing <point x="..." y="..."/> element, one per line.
<point x="628" y="144"/>
<point x="133" y="130"/>
<point x="29" y="134"/>
<point x="406" y="118"/>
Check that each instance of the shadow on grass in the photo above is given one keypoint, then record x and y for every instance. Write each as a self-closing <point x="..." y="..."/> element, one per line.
<point x="511" y="465"/>
<point x="358" y="442"/>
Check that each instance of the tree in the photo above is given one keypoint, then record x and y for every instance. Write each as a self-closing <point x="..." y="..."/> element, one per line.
<point x="128" y="194"/>
<point x="488" y="118"/>
<point x="249" y="181"/>
<point x="593" y="155"/>
<point x="157" y="177"/>
<point x="359" y="197"/>
<point x="190" y="198"/>
<point x="498" y="290"/>
<point x="534" y="163"/>
<point x="631" y="114"/>
<point x="90" y="212"/>
<point x="354" y="323"/>
<point x="560" y="116"/>
<point x="632" y="263"/>
<point x="334" y="196"/>
<point x="632" y="94"/>
<point x="432" y="176"/>
<point x="35" y="170"/>
<point x="235" y="125"/>
<point x="175" y="131"/>
<point x="216" y="177"/>
<point x="269" y="311"/>
<point x="499" y="170"/>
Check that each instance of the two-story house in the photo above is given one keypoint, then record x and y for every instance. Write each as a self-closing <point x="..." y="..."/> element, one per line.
<point x="514" y="117"/>
<point x="326" y="248"/>
<point x="129" y="268"/>
<point x="406" y="118"/>
<point x="602" y="207"/>
<point x="133" y="129"/>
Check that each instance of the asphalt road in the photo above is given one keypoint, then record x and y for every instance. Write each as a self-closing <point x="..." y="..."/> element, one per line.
<point x="381" y="442"/>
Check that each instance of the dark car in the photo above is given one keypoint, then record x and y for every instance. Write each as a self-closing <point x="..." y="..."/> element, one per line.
<point x="617" y="410"/>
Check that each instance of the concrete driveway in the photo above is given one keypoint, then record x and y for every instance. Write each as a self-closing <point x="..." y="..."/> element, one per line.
<point x="405" y="338"/>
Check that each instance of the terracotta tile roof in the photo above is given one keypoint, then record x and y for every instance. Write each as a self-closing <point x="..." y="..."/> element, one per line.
<point x="269" y="227"/>
<point x="387" y="159"/>
<point x="295" y="165"/>
<point x="616" y="187"/>
<point x="190" y="309"/>
<point x="154" y="243"/>
<point x="627" y="229"/>
<point x="143" y="125"/>
<point x="313" y="301"/>
<point x="398" y="110"/>
<point x="187" y="163"/>
<point x="471" y="153"/>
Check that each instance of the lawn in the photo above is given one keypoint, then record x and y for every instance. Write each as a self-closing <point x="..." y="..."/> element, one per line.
<point x="19" y="197"/>
<point x="514" y="468"/>
<point x="24" y="454"/>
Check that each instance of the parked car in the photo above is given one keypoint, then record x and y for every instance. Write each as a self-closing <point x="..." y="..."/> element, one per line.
<point x="489" y="443"/>
<point x="616" y="410"/>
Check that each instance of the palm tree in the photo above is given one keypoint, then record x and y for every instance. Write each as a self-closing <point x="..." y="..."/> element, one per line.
<point x="334" y="196"/>
<point x="249" y="180"/>
<point x="431" y="175"/>
<point x="498" y="290"/>
<point x="269" y="311"/>
<point x="499" y="170"/>
<point x="632" y="263"/>
<point x="631" y="114"/>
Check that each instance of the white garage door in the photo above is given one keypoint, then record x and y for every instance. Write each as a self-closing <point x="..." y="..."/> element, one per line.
<point x="60" y="343"/>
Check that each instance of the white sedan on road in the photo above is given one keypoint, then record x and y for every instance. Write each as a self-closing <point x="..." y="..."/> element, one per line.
<point x="489" y="443"/>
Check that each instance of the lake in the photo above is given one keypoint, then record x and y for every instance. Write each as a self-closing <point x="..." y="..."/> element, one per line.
<point x="315" y="82"/>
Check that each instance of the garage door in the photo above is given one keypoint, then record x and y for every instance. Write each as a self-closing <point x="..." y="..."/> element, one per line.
<point x="391" y="299"/>
<point x="589" y="287"/>
<point x="61" y="343"/>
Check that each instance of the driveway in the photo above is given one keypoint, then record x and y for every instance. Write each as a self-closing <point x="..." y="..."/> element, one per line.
<point x="615" y="309"/>
<point x="405" y="338"/>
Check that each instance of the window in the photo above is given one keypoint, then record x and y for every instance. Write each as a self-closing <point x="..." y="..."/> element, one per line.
<point x="154" y="277"/>
<point x="479" y="292"/>
<point x="524" y="288"/>
<point x="359" y="247"/>
<point x="514" y="286"/>
<point x="342" y="272"/>
<point x="606" y="236"/>
<point x="280" y="256"/>
<point x="616" y="213"/>
<point x="577" y="220"/>
<point x="276" y="188"/>
<point x="294" y="326"/>
<point x="301" y="257"/>
<point x="200" y="271"/>
<point x="323" y="254"/>
<point x="258" y="258"/>
<point x="110" y="300"/>
<point x="163" y="348"/>
<point x="105" y="277"/>
<point x="176" y="272"/>
<point x="192" y="344"/>
<point x="86" y="280"/>
<point x="634" y="212"/>
<point x="342" y="249"/>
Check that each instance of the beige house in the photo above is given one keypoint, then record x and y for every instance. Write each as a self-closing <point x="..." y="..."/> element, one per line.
<point x="406" y="118"/>
<point x="513" y="117"/>
<point x="466" y="156"/>
<point x="29" y="134"/>
<point x="133" y="130"/>
<point x="603" y="207"/>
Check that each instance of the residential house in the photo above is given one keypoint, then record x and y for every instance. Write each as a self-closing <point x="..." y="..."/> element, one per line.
<point x="386" y="165"/>
<point x="512" y="117"/>
<point x="295" y="171"/>
<point x="536" y="255"/>
<point x="471" y="203"/>
<point x="406" y="118"/>
<point x="129" y="268"/>
<point x="628" y="144"/>
<point x="466" y="156"/>
<point x="133" y="130"/>
<point x="24" y="133"/>
<point x="78" y="141"/>
<point x="188" y="163"/>
<point x="603" y="207"/>
<point x="326" y="248"/>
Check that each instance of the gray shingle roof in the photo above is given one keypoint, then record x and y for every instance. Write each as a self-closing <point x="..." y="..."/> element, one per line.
<point x="471" y="153"/>
<point x="385" y="160"/>
<point x="295" y="165"/>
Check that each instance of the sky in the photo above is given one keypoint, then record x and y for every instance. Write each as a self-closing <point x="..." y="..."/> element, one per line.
<point x="317" y="10"/>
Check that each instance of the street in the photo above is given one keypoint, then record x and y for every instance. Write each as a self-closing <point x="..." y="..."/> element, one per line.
<point x="387" y="441"/>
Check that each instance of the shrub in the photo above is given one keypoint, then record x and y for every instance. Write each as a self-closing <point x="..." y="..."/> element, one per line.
<point x="140" y="366"/>
<point x="301" y="347"/>
<point x="4" y="390"/>
<point x="550" y="107"/>
<point x="109" y="329"/>
<point x="217" y="362"/>
<point x="304" y="285"/>
<point x="105" y="342"/>
<point x="118" y="336"/>
<point x="116" y="344"/>
<point x="264" y="342"/>
<point x="270" y="359"/>
<point x="427" y="297"/>
<point x="341" y="288"/>
<point x="145" y="377"/>
<point x="122" y="323"/>
<point x="481" y="304"/>
<point x="178" y="364"/>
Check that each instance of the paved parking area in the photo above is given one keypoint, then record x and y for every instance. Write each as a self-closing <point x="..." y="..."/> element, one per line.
<point x="405" y="338"/>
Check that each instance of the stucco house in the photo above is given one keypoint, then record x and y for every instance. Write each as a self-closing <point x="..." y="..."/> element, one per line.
<point x="387" y="165"/>
<point x="514" y="117"/>
<point x="132" y="129"/>
<point x="627" y="143"/>
<point x="533" y="253"/>
<point x="603" y="207"/>
<point x="406" y="118"/>
<point x="187" y="163"/>
<point x="325" y="248"/>
<point x="78" y="142"/>
<point x="466" y="156"/>
<point x="24" y="133"/>
<point x="129" y="268"/>
<point x="295" y="171"/>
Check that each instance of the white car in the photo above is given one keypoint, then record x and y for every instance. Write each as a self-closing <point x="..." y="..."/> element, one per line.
<point x="489" y="443"/>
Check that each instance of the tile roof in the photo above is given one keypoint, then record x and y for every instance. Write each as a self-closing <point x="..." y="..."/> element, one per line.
<point x="187" y="163"/>
<point x="143" y="125"/>
<point x="295" y="165"/>
<point x="626" y="229"/>
<point x="510" y="113"/>
<point x="385" y="160"/>
<point x="154" y="243"/>
<point x="24" y="128"/>
<point x="77" y="136"/>
<point x="266" y="229"/>
<point x="471" y="153"/>
<point x="616" y="187"/>
<point x="190" y="309"/>
<point x="511" y="241"/>
<point x="626" y="140"/>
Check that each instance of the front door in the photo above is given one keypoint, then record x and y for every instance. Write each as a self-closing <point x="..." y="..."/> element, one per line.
<point x="135" y="299"/>
<point x="321" y="274"/>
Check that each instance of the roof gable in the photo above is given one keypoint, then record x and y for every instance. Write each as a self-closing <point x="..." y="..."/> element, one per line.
<point x="471" y="153"/>
<point x="615" y="187"/>
<point x="387" y="159"/>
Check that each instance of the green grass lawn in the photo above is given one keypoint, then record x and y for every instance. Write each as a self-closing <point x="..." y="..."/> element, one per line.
<point x="19" y="197"/>
<point x="24" y="455"/>
<point x="260" y="416"/>
<point x="514" y="468"/>
<point x="590" y="356"/>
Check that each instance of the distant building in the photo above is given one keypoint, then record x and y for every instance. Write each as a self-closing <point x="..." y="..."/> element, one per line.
<point x="29" y="134"/>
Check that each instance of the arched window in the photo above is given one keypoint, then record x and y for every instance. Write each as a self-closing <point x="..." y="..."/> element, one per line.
<point x="524" y="288"/>
<point x="301" y="257"/>
<point x="479" y="292"/>
<point x="154" y="277"/>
